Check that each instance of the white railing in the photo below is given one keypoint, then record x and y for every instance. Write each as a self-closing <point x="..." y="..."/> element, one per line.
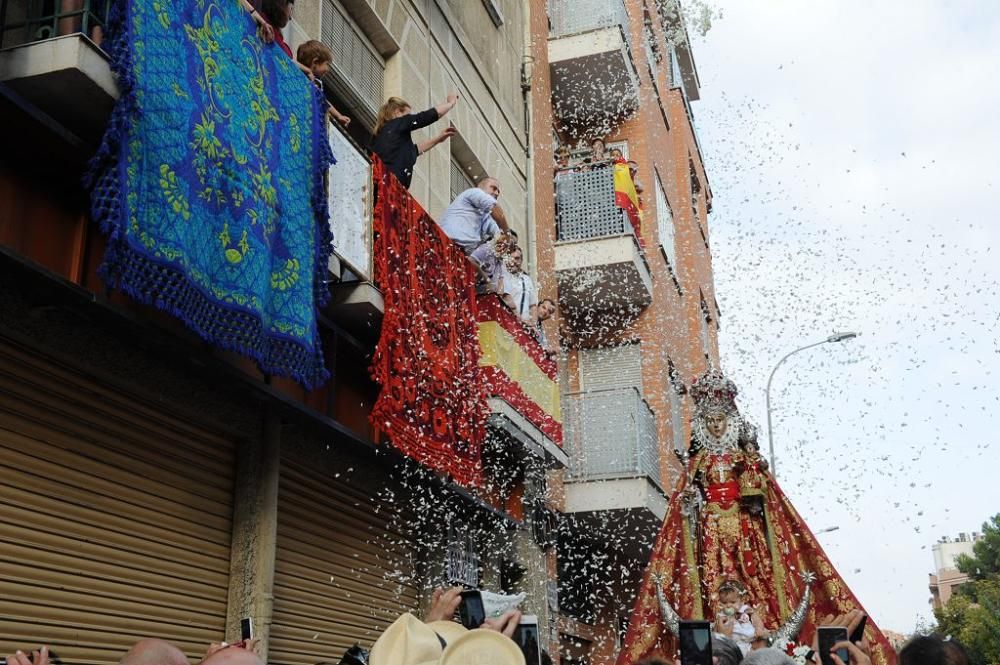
<point x="350" y="201"/>
<point x="570" y="17"/>
<point x="610" y="434"/>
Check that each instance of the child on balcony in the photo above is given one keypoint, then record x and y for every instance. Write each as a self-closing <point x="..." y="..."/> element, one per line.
<point x="317" y="58"/>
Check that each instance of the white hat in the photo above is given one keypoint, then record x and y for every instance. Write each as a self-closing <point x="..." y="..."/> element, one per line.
<point x="408" y="641"/>
<point x="449" y="631"/>
<point x="482" y="647"/>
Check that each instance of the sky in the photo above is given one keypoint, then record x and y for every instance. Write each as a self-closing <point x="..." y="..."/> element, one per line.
<point x="852" y="152"/>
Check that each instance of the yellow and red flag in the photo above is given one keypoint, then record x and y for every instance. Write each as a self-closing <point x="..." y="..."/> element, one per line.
<point x="627" y="199"/>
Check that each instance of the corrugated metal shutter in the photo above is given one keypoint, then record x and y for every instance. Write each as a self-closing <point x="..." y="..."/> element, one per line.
<point x="611" y="367"/>
<point x="358" y="68"/>
<point x="341" y="576"/>
<point x="116" y="517"/>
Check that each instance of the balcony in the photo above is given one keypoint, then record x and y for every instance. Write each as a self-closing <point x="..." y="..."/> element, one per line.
<point x="51" y="65"/>
<point x="355" y="303"/>
<point x="614" y="471"/>
<point x="599" y="261"/>
<point x="521" y="382"/>
<point x="594" y="77"/>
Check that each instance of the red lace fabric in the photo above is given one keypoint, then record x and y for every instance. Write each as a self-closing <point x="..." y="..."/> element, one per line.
<point x="432" y="405"/>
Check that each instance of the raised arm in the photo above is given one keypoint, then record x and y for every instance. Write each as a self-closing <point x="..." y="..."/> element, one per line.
<point x="445" y="134"/>
<point x="263" y="27"/>
<point x="447" y="105"/>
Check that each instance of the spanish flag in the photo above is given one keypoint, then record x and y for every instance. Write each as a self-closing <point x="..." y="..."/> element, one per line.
<point x="627" y="199"/>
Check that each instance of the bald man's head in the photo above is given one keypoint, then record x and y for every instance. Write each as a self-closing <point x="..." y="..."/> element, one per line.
<point x="233" y="656"/>
<point x="154" y="652"/>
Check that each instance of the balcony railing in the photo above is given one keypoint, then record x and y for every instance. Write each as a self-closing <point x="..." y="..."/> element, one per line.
<point x="350" y="201"/>
<point x="569" y="17"/>
<point x="610" y="434"/>
<point x="586" y="207"/>
<point x="26" y="21"/>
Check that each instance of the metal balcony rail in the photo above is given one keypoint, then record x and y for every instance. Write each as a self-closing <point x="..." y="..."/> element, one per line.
<point x="610" y="434"/>
<point x="26" y="21"/>
<point x="569" y="17"/>
<point x="585" y="205"/>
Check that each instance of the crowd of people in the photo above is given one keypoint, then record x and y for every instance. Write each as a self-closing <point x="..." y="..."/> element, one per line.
<point x="596" y="156"/>
<point x="440" y="640"/>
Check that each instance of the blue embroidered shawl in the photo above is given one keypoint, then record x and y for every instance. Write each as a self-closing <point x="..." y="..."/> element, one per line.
<point x="210" y="181"/>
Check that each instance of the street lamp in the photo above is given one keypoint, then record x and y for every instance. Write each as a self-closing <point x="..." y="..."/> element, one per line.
<point x="836" y="337"/>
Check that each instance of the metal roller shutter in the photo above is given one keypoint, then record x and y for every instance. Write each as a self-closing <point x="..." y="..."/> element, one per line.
<point x="610" y="367"/>
<point x="115" y="517"/>
<point x="342" y="574"/>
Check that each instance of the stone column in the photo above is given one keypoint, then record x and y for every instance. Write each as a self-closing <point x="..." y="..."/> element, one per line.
<point x="255" y="532"/>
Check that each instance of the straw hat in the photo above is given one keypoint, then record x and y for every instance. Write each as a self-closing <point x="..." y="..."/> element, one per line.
<point x="482" y="647"/>
<point x="408" y="641"/>
<point x="449" y="631"/>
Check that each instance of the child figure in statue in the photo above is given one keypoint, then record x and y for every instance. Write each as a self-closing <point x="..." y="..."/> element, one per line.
<point x="737" y="619"/>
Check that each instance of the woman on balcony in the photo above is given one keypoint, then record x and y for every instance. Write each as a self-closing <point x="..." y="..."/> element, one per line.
<point x="392" y="142"/>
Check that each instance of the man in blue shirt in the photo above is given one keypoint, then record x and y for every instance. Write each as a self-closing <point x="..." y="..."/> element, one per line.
<point x="474" y="217"/>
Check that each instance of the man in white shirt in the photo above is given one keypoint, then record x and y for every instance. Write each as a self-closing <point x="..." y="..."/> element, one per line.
<point x="519" y="291"/>
<point x="474" y="217"/>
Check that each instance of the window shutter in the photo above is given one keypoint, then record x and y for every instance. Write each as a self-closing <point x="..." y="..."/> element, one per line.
<point x="358" y="68"/>
<point x="611" y="367"/>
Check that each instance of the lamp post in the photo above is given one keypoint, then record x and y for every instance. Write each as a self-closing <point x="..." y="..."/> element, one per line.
<point x="836" y="337"/>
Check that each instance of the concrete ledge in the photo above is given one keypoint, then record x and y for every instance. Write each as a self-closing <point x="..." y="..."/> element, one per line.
<point x="603" y="273"/>
<point x="637" y="494"/>
<point x="593" y="74"/>
<point x="357" y="307"/>
<point x="504" y="417"/>
<point x="68" y="78"/>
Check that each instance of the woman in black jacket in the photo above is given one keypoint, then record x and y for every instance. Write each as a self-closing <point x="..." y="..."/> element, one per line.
<point x="392" y="142"/>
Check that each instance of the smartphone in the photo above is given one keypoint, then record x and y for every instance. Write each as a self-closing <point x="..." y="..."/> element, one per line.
<point x="695" y="639"/>
<point x="828" y="636"/>
<point x="859" y="632"/>
<point x="526" y="637"/>
<point x="471" y="611"/>
<point x="246" y="629"/>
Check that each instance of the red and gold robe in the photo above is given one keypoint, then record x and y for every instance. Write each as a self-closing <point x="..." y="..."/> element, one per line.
<point x="766" y="548"/>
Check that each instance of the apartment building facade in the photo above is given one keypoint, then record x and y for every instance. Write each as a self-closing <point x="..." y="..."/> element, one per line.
<point x="946" y="577"/>
<point x="165" y="488"/>
<point x="639" y="318"/>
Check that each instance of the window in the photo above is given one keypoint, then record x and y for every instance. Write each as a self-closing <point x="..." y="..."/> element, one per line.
<point x="705" y="320"/>
<point x="493" y="9"/>
<point x="695" y="201"/>
<point x="460" y="180"/>
<point x="358" y="68"/>
<point x="675" y="395"/>
<point x="675" y="69"/>
<point x="665" y="227"/>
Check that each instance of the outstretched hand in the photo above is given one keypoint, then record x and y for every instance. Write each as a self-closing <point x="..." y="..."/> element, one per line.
<point x="40" y="657"/>
<point x="505" y="624"/>
<point x="447" y="133"/>
<point x="264" y="29"/>
<point x="444" y="602"/>
<point x="856" y="653"/>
